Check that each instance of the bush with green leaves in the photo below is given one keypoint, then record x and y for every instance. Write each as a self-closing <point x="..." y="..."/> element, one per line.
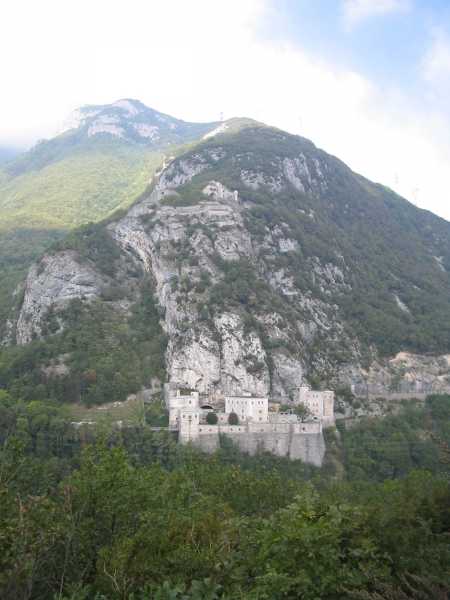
<point x="211" y="418"/>
<point x="157" y="522"/>
<point x="233" y="419"/>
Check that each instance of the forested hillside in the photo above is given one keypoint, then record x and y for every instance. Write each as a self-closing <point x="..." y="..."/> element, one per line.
<point x="131" y="515"/>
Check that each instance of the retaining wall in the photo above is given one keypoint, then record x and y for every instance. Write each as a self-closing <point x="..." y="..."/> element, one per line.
<point x="253" y="439"/>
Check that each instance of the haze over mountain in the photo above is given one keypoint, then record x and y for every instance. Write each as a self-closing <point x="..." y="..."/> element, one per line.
<point x="7" y="153"/>
<point x="268" y="260"/>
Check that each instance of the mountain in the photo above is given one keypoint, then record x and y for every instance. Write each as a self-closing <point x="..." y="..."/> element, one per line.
<point x="100" y="162"/>
<point x="93" y="127"/>
<point x="103" y="159"/>
<point x="254" y="260"/>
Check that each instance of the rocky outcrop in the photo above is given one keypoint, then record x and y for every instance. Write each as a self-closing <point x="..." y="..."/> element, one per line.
<point x="216" y="355"/>
<point x="132" y="121"/>
<point x="106" y="124"/>
<point x="405" y="375"/>
<point x="53" y="283"/>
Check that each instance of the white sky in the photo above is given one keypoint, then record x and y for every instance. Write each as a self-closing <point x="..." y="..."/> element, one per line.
<point x="197" y="58"/>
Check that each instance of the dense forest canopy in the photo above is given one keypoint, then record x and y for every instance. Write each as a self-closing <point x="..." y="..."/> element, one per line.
<point x="129" y="514"/>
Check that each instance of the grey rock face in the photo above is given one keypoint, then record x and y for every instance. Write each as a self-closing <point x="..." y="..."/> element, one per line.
<point x="404" y="375"/>
<point x="132" y="121"/>
<point x="209" y="356"/>
<point x="54" y="282"/>
<point x="306" y="176"/>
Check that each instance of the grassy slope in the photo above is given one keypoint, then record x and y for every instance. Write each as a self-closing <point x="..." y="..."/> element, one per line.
<point x="39" y="205"/>
<point x="80" y="188"/>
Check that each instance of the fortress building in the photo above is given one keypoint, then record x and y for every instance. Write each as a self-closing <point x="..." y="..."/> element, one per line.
<point x="319" y="404"/>
<point x="257" y="430"/>
<point x="248" y="408"/>
<point x="181" y="401"/>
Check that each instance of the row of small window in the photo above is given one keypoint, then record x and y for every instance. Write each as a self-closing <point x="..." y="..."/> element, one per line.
<point x="246" y="402"/>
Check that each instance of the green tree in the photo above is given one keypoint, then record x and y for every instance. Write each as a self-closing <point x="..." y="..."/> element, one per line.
<point x="211" y="418"/>
<point x="233" y="419"/>
<point x="312" y="550"/>
<point x="302" y="412"/>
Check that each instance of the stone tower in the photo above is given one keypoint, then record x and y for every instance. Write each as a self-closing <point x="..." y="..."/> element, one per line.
<point x="189" y="425"/>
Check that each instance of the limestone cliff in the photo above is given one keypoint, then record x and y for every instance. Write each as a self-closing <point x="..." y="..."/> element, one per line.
<point x="53" y="283"/>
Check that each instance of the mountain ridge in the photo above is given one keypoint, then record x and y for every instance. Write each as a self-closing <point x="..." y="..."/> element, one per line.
<point x="268" y="261"/>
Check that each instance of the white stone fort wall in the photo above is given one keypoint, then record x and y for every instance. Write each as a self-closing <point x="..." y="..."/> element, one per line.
<point x="208" y="442"/>
<point x="308" y="446"/>
<point x="254" y="443"/>
<point x="314" y="427"/>
<point x="296" y="428"/>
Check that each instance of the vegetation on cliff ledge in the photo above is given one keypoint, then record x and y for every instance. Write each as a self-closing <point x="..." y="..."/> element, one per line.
<point x="100" y="356"/>
<point x="395" y="257"/>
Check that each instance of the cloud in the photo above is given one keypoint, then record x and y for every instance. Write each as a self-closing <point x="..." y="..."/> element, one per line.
<point x="357" y="11"/>
<point x="436" y="63"/>
<point x="191" y="61"/>
<point x="375" y="130"/>
<point x="83" y="52"/>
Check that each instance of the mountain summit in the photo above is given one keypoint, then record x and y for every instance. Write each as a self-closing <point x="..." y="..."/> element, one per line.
<point x="132" y="121"/>
<point x="124" y="123"/>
